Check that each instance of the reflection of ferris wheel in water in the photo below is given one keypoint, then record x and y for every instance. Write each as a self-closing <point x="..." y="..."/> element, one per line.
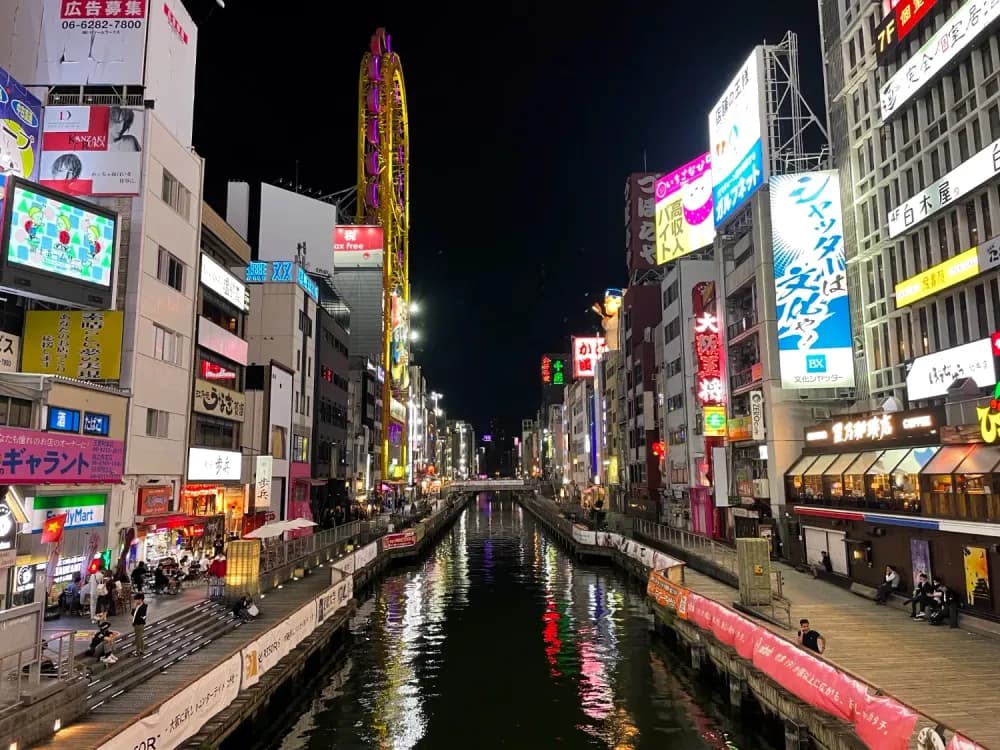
<point x="384" y="200"/>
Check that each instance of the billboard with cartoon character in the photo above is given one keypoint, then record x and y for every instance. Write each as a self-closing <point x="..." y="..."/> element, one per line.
<point x="20" y="121"/>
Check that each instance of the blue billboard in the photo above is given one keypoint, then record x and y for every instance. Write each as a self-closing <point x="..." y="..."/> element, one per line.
<point x="20" y="129"/>
<point x="815" y="343"/>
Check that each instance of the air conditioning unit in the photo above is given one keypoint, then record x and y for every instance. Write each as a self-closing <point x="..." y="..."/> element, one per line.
<point x="846" y="394"/>
<point x="820" y="412"/>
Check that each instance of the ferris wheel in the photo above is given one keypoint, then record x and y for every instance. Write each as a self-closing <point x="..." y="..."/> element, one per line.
<point x="384" y="200"/>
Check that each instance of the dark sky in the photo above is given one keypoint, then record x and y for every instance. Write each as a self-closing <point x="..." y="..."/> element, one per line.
<point x="523" y="126"/>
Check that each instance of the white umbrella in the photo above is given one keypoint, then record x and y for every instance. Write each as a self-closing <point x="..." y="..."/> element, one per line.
<point x="269" y="530"/>
<point x="301" y="523"/>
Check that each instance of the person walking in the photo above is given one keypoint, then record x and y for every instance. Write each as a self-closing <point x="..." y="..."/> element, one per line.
<point x="95" y="585"/>
<point x="809" y="638"/>
<point x="139" y="623"/>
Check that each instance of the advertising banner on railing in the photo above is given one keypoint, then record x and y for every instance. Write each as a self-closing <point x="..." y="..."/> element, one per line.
<point x="879" y="721"/>
<point x="264" y="653"/>
<point x="583" y="535"/>
<point x="402" y="539"/>
<point x="333" y="599"/>
<point x="667" y="594"/>
<point x="181" y="717"/>
<point x="609" y="539"/>
<point x="419" y="530"/>
<point x="365" y="556"/>
<point x="345" y="564"/>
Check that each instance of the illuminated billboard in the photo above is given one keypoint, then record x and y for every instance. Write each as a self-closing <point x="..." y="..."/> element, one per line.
<point x="92" y="150"/>
<point x="735" y="127"/>
<point x="684" y="220"/>
<point x="932" y="375"/>
<point x="587" y="351"/>
<point x="553" y="370"/>
<point x="56" y="247"/>
<point x="20" y="121"/>
<point x="357" y="245"/>
<point x="815" y="344"/>
<point x="81" y="344"/>
<point x="948" y="42"/>
<point x="953" y="271"/>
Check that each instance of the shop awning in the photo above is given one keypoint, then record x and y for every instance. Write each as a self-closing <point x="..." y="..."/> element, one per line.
<point x="821" y="464"/>
<point x="837" y="467"/>
<point x="800" y="466"/>
<point x="947" y="459"/>
<point x="170" y="521"/>
<point x="862" y="464"/>
<point x="915" y="460"/>
<point x="888" y="461"/>
<point x="982" y="460"/>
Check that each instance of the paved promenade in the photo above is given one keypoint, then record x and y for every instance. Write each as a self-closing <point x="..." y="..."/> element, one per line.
<point x="948" y="675"/>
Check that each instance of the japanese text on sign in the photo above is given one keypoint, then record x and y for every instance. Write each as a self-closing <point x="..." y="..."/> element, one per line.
<point x="640" y="231"/>
<point x="553" y="370"/>
<point x="216" y="401"/>
<point x="30" y="457"/>
<point x="708" y="353"/>
<point x="587" y="352"/>
<point x="10" y="346"/>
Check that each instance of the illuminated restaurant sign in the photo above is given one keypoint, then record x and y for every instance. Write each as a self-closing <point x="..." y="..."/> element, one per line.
<point x="918" y="427"/>
<point x="961" y="267"/>
<point x="989" y="418"/>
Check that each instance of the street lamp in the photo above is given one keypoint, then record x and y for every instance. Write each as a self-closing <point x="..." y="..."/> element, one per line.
<point x="414" y="335"/>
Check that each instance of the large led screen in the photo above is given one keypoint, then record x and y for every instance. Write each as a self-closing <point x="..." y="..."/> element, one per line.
<point x="53" y="234"/>
<point x="735" y="127"/>
<point x="810" y="281"/>
<point x="684" y="210"/>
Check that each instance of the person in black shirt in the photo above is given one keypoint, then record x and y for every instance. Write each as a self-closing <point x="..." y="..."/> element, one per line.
<point x="811" y="639"/>
<point x="139" y="623"/>
<point x="923" y="594"/>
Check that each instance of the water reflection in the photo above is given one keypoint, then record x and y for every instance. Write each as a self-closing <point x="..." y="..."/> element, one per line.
<point x="498" y="639"/>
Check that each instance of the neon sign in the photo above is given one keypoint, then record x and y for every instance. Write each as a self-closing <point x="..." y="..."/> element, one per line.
<point x="989" y="418"/>
<point x="708" y="351"/>
<point x="586" y="353"/>
<point x="553" y="370"/>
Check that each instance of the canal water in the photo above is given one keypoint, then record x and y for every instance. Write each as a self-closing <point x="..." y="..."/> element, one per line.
<point x="498" y="638"/>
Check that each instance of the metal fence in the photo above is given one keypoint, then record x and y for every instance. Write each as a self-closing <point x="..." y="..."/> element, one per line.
<point x="275" y="555"/>
<point x="22" y="670"/>
<point x="709" y="549"/>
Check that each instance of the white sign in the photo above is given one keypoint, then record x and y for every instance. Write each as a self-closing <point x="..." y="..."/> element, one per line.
<point x="333" y="600"/>
<point x="264" y="654"/>
<point x="223" y="283"/>
<point x="735" y="125"/>
<point x="10" y="351"/>
<point x="90" y="43"/>
<point x="583" y="536"/>
<point x="963" y="179"/>
<point x="344" y="565"/>
<point x="92" y="150"/>
<point x="957" y="33"/>
<point x="365" y="555"/>
<point x="757" y="431"/>
<point x="264" y="474"/>
<point x="181" y="717"/>
<point x="989" y="254"/>
<point x="207" y="465"/>
<point x="931" y="375"/>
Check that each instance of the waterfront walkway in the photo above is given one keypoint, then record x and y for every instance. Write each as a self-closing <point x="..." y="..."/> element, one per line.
<point x="947" y="675"/>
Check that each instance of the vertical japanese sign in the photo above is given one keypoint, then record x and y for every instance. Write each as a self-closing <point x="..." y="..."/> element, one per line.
<point x="735" y="127"/>
<point x="262" y="482"/>
<point x="709" y="386"/>
<point x="75" y="343"/>
<point x="640" y="230"/>
<point x="810" y="281"/>
<point x="10" y="349"/>
<point x="553" y="369"/>
<point x="684" y="210"/>
<point x="587" y="350"/>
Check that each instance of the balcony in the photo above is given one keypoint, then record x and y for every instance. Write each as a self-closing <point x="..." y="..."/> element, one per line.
<point x="744" y="325"/>
<point x="745" y="379"/>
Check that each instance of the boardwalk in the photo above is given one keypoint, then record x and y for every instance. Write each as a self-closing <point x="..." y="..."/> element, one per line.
<point x="947" y="675"/>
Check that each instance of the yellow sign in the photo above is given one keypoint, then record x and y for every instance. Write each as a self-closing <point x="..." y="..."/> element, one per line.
<point x="81" y="344"/>
<point x="953" y="271"/>
<point x="214" y="400"/>
<point x="715" y="421"/>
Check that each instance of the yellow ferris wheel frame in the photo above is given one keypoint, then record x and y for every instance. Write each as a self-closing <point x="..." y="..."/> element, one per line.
<point x="383" y="199"/>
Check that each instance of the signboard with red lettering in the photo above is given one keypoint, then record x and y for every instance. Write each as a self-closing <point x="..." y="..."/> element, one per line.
<point x="587" y="351"/>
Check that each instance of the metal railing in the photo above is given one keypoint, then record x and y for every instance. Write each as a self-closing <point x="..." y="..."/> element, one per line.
<point x="745" y="323"/>
<point x="24" y="669"/>
<point x="719" y="554"/>
<point x="743" y="378"/>
<point x="275" y="555"/>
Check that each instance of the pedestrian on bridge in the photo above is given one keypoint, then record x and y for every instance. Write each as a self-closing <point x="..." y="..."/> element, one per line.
<point x="139" y="624"/>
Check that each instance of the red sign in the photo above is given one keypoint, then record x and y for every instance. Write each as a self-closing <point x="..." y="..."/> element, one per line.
<point x="102" y="9"/>
<point x="52" y="531"/>
<point x="996" y="343"/>
<point x="155" y="501"/>
<point x="546" y="369"/>
<point x="659" y="449"/>
<point x="909" y="13"/>
<point x="403" y="539"/>
<point x="586" y="353"/>
<point x="175" y="24"/>
<point x="30" y="457"/>
<point x="708" y="351"/>
<point x="212" y="371"/>
<point x="357" y="239"/>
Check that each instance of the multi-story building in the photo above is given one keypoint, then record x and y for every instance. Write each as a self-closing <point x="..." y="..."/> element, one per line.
<point x="640" y="315"/>
<point x="419" y="405"/>
<point x="582" y="456"/>
<point x="612" y="380"/>
<point x="217" y="474"/>
<point x="463" y="462"/>
<point x="330" y="426"/>
<point x="908" y="477"/>
<point x="681" y="417"/>
<point x="365" y="400"/>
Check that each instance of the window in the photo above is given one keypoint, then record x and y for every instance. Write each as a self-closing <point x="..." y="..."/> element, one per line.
<point x="176" y="195"/>
<point x="279" y="437"/>
<point x="170" y="270"/>
<point x="15" y="412"/>
<point x="156" y="423"/>
<point x="300" y="448"/>
<point x="210" y="432"/>
<point x="166" y="345"/>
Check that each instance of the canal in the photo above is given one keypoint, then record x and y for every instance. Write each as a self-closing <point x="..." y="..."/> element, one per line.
<point x="498" y="638"/>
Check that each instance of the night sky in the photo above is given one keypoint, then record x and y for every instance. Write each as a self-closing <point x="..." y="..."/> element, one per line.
<point x="523" y="126"/>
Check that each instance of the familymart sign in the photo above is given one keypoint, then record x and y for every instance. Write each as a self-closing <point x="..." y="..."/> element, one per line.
<point x="81" y="510"/>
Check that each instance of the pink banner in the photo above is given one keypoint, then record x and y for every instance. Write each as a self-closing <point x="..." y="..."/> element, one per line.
<point x="881" y="722"/>
<point x="30" y="457"/>
<point x="958" y="742"/>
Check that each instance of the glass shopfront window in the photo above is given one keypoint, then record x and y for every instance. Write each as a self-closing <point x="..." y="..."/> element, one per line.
<point x="794" y="478"/>
<point x="833" y="477"/>
<point x="880" y="476"/>
<point x="975" y="499"/>
<point x="854" y="476"/>
<point x="906" y="491"/>
<point x="937" y="487"/>
<point x="812" y="480"/>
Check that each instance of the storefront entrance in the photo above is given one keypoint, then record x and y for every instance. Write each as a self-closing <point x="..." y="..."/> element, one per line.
<point x="833" y="542"/>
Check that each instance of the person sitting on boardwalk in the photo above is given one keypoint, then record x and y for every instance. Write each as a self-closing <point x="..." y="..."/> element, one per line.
<point x="890" y="584"/>
<point x="245" y="609"/>
<point x="102" y="645"/>
<point x="923" y="594"/>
